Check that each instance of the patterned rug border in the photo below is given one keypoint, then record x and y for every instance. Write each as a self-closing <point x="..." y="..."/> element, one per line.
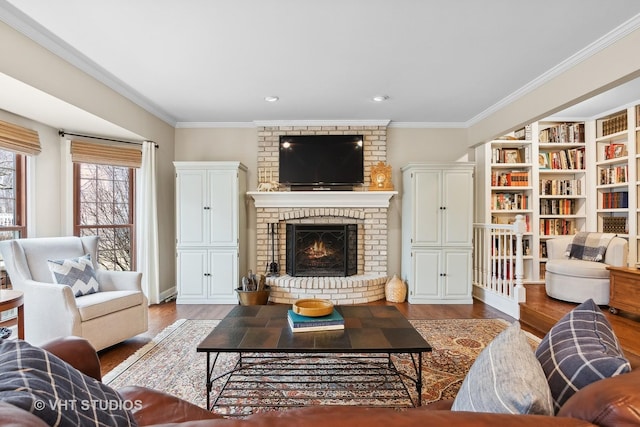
<point x="142" y="351"/>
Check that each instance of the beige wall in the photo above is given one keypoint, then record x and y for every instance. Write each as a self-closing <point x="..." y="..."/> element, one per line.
<point x="403" y="146"/>
<point x="39" y="68"/>
<point x="44" y="206"/>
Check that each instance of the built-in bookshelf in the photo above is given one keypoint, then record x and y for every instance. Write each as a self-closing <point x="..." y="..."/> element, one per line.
<point x="634" y="196"/>
<point x="567" y="177"/>
<point x="511" y="189"/>
<point x="543" y="181"/>
<point x="612" y="165"/>
<point x="561" y="183"/>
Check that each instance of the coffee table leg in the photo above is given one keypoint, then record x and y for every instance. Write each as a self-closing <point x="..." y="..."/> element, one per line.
<point x="208" y="380"/>
<point x="419" y="381"/>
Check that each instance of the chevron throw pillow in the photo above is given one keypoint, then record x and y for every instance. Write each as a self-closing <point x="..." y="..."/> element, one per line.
<point x="75" y="272"/>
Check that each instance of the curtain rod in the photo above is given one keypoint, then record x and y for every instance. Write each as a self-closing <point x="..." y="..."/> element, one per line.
<point x="63" y="133"/>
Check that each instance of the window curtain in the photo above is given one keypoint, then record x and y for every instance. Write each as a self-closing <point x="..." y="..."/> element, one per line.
<point x="147" y="224"/>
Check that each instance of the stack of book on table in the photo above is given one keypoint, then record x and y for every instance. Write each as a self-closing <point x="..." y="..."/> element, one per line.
<point x="330" y="322"/>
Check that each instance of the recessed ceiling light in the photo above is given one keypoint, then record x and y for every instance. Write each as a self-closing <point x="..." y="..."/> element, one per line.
<point x="380" y="98"/>
<point x="271" y="98"/>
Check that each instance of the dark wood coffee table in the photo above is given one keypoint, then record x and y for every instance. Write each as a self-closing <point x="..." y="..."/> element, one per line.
<point x="264" y="329"/>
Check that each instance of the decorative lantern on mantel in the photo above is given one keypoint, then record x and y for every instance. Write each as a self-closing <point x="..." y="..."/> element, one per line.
<point x="381" y="178"/>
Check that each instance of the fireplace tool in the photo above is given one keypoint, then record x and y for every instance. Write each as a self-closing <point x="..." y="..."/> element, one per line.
<point x="273" y="266"/>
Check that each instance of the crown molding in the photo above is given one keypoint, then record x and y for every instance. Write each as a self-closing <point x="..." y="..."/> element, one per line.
<point x="22" y="23"/>
<point x="282" y="123"/>
<point x="429" y="125"/>
<point x="602" y="43"/>
<point x="208" y="125"/>
<point x="278" y="123"/>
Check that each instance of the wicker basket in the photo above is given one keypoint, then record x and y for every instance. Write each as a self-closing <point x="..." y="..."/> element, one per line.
<point x="253" y="297"/>
<point x="395" y="290"/>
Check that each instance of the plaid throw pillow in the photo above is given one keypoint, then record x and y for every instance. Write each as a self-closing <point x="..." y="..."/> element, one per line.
<point x="75" y="272"/>
<point x="43" y="384"/>
<point x="579" y="350"/>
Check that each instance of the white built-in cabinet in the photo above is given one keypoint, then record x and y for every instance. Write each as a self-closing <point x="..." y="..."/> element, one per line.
<point x="437" y="229"/>
<point x="210" y="231"/>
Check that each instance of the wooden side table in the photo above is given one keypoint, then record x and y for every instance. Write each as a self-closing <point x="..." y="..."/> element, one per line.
<point x="624" y="289"/>
<point x="9" y="299"/>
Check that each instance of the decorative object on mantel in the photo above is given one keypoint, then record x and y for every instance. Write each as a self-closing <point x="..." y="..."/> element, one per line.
<point x="253" y="290"/>
<point x="266" y="181"/>
<point x="395" y="290"/>
<point x="381" y="177"/>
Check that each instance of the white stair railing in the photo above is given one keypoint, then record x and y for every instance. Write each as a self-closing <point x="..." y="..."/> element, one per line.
<point x="497" y="265"/>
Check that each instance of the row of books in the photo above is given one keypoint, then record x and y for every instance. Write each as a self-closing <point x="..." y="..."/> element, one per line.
<point x="511" y="155"/>
<point x="613" y="175"/>
<point x="557" y="207"/>
<point x="615" y="200"/>
<point x="510" y="179"/>
<point x="557" y="226"/>
<point x="509" y="201"/>
<point x="560" y="187"/>
<point x="614" y="151"/>
<point x="615" y="124"/>
<point x="572" y="158"/>
<point x="330" y="322"/>
<point x="564" y="132"/>
<point x="502" y="248"/>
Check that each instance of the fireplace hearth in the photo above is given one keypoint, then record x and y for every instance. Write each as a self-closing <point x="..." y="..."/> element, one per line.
<point x="321" y="250"/>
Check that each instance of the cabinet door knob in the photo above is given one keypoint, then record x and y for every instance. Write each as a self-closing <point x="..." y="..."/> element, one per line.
<point x="207" y="208"/>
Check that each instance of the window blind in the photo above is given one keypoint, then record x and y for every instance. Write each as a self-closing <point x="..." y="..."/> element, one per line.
<point x="19" y="139"/>
<point x="104" y="154"/>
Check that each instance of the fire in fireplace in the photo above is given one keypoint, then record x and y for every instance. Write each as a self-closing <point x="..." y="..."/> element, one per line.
<point x="322" y="249"/>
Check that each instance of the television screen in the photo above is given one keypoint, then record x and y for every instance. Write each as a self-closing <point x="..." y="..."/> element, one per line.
<point x="317" y="160"/>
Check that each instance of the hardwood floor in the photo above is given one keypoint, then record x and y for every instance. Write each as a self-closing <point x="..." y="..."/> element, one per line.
<point x="537" y="316"/>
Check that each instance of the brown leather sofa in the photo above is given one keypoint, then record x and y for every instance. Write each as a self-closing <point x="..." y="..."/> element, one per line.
<point x="609" y="402"/>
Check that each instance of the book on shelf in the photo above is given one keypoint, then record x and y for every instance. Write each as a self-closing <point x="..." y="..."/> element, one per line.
<point x="615" y="200"/>
<point x="614" y="151"/>
<point x="330" y="322"/>
<point x="613" y="175"/>
<point x="564" y="132"/>
<point x="560" y="187"/>
<point x="510" y="179"/>
<point x="571" y="159"/>
<point x="511" y="155"/>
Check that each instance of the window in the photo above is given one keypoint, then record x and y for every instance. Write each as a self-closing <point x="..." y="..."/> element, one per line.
<point x="13" y="222"/>
<point x="104" y="206"/>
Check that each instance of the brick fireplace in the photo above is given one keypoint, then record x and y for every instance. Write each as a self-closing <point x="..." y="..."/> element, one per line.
<point x="366" y="209"/>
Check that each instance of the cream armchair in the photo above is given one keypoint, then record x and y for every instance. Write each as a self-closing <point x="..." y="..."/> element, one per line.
<point x="118" y="311"/>
<point x="576" y="280"/>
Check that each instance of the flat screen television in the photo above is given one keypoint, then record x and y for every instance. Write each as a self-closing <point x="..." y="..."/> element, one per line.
<point x="332" y="161"/>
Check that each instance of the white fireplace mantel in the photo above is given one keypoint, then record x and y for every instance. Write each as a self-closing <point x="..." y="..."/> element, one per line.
<point x="320" y="199"/>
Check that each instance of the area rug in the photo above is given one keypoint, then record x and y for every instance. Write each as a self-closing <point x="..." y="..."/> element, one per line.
<point x="171" y="364"/>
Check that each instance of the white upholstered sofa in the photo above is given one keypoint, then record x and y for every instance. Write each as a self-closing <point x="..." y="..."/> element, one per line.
<point x="118" y="311"/>
<point x="576" y="280"/>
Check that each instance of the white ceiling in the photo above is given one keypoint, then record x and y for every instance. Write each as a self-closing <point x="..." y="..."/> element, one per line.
<point x="441" y="62"/>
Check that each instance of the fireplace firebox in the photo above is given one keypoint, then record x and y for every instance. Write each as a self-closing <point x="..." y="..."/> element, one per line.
<point x="321" y="249"/>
